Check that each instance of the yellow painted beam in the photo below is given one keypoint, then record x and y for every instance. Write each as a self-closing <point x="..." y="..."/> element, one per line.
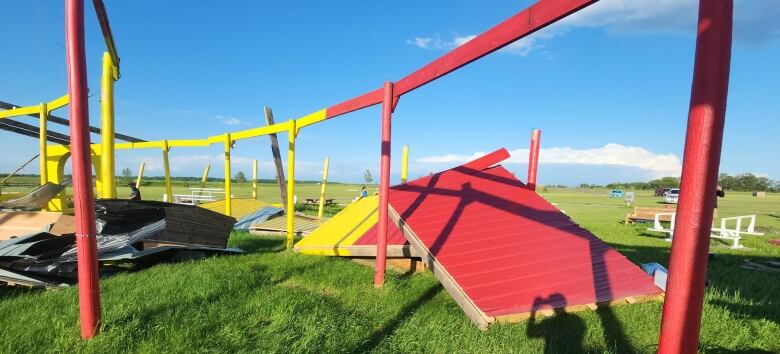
<point x="322" y="189"/>
<point x="189" y="143"/>
<point x="310" y="119"/>
<point x="21" y="111"/>
<point x="228" y="197"/>
<point x="255" y="132"/>
<point x="405" y="164"/>
<point x="254" y="179"/>
<point x="205" y="176"/>
<point x="290" y="183"/>
<point x="43" y="151"/>
<point x="107" y="163"/>
<point x="140" y="175"/>
<point x="167" y="170"/>
<point x="59" y="102"/>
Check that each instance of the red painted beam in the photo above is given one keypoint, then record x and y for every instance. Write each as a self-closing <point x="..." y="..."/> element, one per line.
<point x="83" y="199"/>
<point x="681" y="321"/>
<point x="354" y="104"/>
<point x="384" y="186"/>
<point x="533" y="159"/>
<point x="487" y="160"/>
<point x="528" y="21"/>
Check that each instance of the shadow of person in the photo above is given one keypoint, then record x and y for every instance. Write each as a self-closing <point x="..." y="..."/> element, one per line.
<point x="563" y="332"/>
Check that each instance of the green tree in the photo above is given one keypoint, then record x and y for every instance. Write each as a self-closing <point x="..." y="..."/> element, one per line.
<point x="240" y="178"/>
<point x="367" y="177"/>
<point x="127" y="173"/>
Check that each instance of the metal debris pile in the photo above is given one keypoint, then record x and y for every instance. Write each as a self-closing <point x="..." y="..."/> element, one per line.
<point x="131" y="234"/>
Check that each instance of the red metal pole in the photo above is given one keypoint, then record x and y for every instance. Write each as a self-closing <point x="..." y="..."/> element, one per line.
<point x="83" y="199"/>
<point x="681" y="322"/>
<point x="384" y="186"/>
<point x="533" y="159"/>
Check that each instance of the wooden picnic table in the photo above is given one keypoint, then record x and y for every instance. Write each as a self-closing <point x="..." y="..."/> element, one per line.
<point x="315" y="201"/>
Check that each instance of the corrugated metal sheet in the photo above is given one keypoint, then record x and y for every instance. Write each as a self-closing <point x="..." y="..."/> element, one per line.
<point x="258" y="217"/>
<point x="303" y="224"/>
<point x="507" y="249"/>
<point x="240" y="207"/>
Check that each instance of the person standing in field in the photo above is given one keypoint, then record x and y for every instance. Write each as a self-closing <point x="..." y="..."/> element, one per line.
<point x="135" y="194"/>
<point x="719" y="193"/>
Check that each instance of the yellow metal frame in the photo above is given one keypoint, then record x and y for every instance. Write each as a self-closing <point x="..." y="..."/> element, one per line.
<point x="254" y="179"/>
<point x="322" y="189"/>
<point x="107" y="161"/>
<point x="228" y="194"/>
<point x="140" y="175"/>
<point x="405" y="164"/>
<point x="48" y="107"/>
<point x="205" y="176"/>
<point x="292" y="132"/>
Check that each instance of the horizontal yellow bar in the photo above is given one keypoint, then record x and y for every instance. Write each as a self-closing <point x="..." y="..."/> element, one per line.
<point x="310" y="119"/>
<point x="142" y="145"/>
<point x="21" y="111"/>
<point x="188" y="143"/>
<point x="255" y="132"/>
<point x="58" y="103"/>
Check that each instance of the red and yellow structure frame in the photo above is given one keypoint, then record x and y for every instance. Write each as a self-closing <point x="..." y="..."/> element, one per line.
<point x="683" y="305"/>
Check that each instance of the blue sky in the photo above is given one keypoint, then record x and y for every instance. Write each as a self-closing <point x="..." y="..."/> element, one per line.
<point x="609" y="87"/>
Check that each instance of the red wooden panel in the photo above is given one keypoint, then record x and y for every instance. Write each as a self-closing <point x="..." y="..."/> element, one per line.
<point x="506" y="247"/>
<point x="528" y="21"/>
<point x="394" y="236"/>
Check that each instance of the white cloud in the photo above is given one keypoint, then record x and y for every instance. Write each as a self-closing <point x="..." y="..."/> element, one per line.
<point x="229" y="120"/>
<point x="755" y="23"/>
<point x="521" y="47"/>
<point x="657" y="165"/>
<point x="427" y="43"/>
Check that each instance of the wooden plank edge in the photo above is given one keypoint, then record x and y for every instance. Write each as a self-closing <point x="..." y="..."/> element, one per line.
<point x="471" y="310"/>
<point x="547" y="312"/>
<point x="393" y="251"/>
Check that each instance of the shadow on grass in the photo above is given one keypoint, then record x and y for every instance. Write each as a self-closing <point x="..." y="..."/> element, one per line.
<point x="719" y="350"/>
<point x="370" y="343"/>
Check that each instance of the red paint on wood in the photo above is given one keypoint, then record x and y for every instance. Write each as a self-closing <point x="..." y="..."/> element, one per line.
<point x="83" y="199"/>
<point x="528" y="21"/>
<point x="384" y="186"/>
<point x="507" y="247"/>
<point x="533" y="159"/>
<point x="681" y="321"/>
<point x="366" y="100"/>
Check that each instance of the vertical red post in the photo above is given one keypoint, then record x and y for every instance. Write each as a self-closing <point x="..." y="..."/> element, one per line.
<point x="83" y="199"/>
<point x="384" y="186"/>
<point x="681" y="322"/>
<point x="533" y="159"/>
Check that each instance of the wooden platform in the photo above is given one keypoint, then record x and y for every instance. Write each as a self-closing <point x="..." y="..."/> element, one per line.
<point x="240" y="207"/>
<point x="352" y="233"/>
<point x="502" y="251"/>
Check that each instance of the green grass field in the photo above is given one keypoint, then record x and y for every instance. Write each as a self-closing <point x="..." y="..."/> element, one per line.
<point x="272" y="300"/>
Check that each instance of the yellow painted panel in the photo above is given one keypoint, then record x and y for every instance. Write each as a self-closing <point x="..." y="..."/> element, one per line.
<point x="255" y="132"/>
<point x="311" y="118"/>
<point x="58" y="103"/>
<point x="343" y="229"/>
<point x="240" y="206"/>
<point x="21" y="111"/>
<point x="188" y="143"/>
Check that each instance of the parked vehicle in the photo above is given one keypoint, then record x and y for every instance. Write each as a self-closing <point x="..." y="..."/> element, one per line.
<point x="672" y="196"/>
<point x="661" y="191"/>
